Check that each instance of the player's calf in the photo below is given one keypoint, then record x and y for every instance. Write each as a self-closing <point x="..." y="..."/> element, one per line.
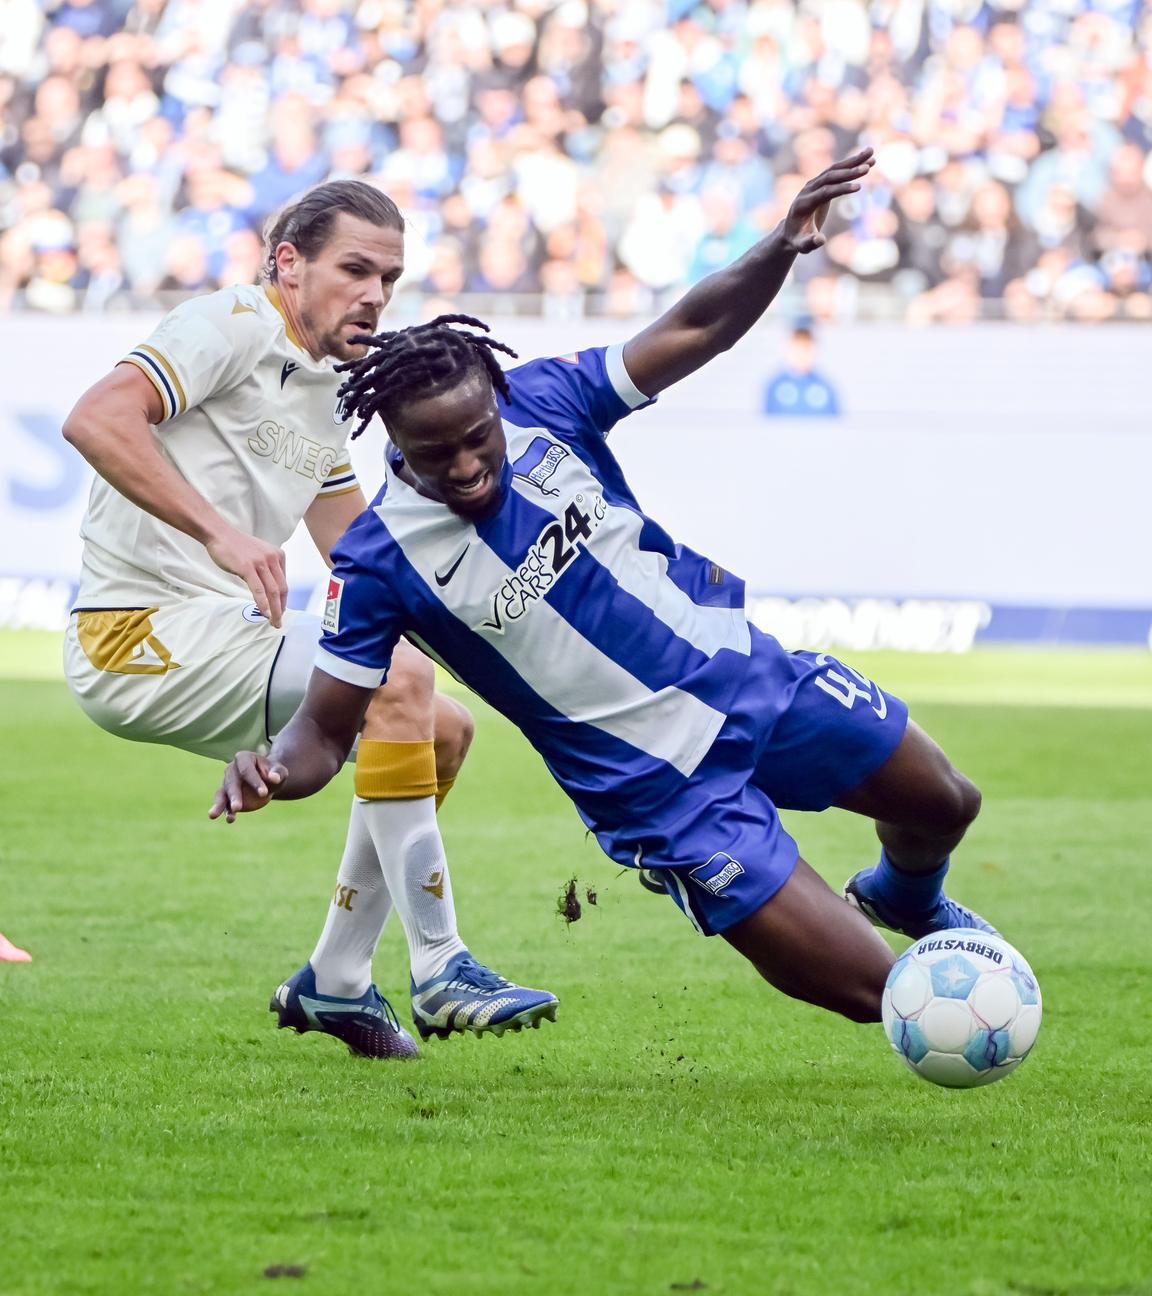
<point x="812" y="946"/>
<point x="922" y="806"/>
<point x="402" y="709"/>
<point x="921" y="803"/>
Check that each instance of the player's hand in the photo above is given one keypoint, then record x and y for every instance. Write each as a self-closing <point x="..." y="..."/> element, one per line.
<point x="260" y="566"/>
<point x="810" y="207"/>
<point x="250" y="782"/>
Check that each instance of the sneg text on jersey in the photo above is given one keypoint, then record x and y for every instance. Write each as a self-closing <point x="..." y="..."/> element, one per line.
<point x="293" y="452"/>
<point x="555" y="547"/>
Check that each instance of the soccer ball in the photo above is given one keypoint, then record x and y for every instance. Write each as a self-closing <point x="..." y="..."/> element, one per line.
<point x="961" y="1007"/>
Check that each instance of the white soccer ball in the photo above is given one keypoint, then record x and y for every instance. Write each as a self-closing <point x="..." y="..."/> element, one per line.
<point x="962" y="1008"/>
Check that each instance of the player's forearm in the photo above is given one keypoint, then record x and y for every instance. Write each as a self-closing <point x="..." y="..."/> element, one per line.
<point x="120" y="446"/>
<point x="311" y="754"/>
<point x="315" y="743"/>
<point x="725" y="305"/>
<point x="711" y="317"/>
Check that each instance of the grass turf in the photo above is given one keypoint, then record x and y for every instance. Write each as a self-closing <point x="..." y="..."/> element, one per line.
<point x="681" y="1127"/>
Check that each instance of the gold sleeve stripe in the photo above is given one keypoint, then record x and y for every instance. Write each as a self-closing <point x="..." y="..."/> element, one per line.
<point x="147" y="367"/>
<point x="331" y="494"/>
<point x="340" y="469"/>
<point x="183" y="400"/>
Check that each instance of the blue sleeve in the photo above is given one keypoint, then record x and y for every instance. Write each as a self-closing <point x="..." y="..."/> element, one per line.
<point x="362" y="620"/>
<point x="579" y="395"/>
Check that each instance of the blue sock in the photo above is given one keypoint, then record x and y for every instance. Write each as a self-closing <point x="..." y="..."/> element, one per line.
<point x="906" y="894"/>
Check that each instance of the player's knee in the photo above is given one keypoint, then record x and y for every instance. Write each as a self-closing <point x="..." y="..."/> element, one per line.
<point x="959" y="803"/>
<point x="455" y="730"/>
<point x="411" y="677"/>
<point x="401" y="710"/>
<point x="862" y="1003"/>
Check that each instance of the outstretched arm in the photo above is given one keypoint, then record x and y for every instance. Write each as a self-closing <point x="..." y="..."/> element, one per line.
<point x="306" y="755"/>
<point x="719" y="310"/>
<point x="111" y="426"/>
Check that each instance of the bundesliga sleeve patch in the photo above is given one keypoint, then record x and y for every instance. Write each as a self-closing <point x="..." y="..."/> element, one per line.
<point x="331" y="618"/>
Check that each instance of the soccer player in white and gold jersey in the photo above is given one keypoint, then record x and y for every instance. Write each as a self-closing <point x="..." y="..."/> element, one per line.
<point x="211" y="441"/>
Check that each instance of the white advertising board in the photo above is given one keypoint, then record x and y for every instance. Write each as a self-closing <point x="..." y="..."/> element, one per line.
<point x="989" y="467"/>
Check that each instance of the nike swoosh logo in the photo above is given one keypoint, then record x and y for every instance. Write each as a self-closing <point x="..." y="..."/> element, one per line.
<point x="290" y="367"/>
<point x="442" y="578"/>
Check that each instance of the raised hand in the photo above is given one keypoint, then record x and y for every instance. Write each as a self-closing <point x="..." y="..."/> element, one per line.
<point x="249" y="783"/>
<point x="260" y="566"/>
<point x="810" y="206"/>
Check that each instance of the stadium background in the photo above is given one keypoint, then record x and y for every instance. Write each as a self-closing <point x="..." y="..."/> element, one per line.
<point x="568" y="169"/>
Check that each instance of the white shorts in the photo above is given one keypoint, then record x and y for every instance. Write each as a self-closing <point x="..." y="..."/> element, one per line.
<point x="209" y="674"/>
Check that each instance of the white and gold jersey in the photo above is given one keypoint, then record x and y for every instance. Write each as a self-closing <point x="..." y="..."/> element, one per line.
<point x="250" y="421"/>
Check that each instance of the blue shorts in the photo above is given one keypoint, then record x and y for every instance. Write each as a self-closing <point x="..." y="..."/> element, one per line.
<point x="806" y="731"/>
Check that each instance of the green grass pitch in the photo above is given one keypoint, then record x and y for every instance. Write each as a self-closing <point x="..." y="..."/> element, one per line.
<point x="681" y="1128"/>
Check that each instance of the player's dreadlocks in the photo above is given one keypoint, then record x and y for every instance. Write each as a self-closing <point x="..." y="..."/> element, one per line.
<point x="415" y="362"/>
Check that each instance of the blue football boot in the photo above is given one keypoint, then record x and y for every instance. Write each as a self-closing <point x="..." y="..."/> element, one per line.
<point x="367" y="1025"/>
<point x="947" y="913"/>
<point x="467" y="996"/>
<point x="651" y="880"/>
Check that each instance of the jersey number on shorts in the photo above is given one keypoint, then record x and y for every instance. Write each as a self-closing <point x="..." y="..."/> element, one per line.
<point x="846" y="690"/>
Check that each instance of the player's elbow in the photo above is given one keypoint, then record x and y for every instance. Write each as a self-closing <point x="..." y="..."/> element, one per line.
<point x="83" y="427"/>
<point x="75" y="429"/>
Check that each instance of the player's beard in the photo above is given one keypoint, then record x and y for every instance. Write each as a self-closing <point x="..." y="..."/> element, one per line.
<point x="336" y="344"/>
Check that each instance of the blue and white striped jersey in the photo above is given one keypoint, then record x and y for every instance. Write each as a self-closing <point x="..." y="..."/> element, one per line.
<point x="616" y="651"/>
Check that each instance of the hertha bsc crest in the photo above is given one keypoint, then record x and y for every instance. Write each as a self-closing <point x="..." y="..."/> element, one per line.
<point x="539" y="462"/>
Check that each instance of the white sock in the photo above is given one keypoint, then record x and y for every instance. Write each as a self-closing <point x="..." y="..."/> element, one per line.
<point x="361" y="903"/>
<point x="411" y="856"/>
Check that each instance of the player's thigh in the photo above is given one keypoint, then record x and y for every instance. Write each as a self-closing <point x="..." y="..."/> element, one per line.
<point x="292" y="668"/>
<point x="402" y="709"/>
<point x="718" y="849"/>
<point x="810" y="944"/>
<point x="918" y="787"/>
<point x="192" y="674"/>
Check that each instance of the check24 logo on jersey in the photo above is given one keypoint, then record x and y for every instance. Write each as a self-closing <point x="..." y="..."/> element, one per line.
<point x="550" y="556"/>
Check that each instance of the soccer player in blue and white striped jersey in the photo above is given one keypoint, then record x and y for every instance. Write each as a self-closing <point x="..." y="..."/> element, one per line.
<point x="506" y="543"/>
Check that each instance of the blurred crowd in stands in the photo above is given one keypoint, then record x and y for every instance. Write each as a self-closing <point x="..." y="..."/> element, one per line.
<point x="587" y="156"/>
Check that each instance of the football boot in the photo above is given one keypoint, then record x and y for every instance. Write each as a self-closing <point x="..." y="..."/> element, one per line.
<point x="467" y="996"/>
<point x="944" y="915"/>
<point x="368" y="1025"/>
